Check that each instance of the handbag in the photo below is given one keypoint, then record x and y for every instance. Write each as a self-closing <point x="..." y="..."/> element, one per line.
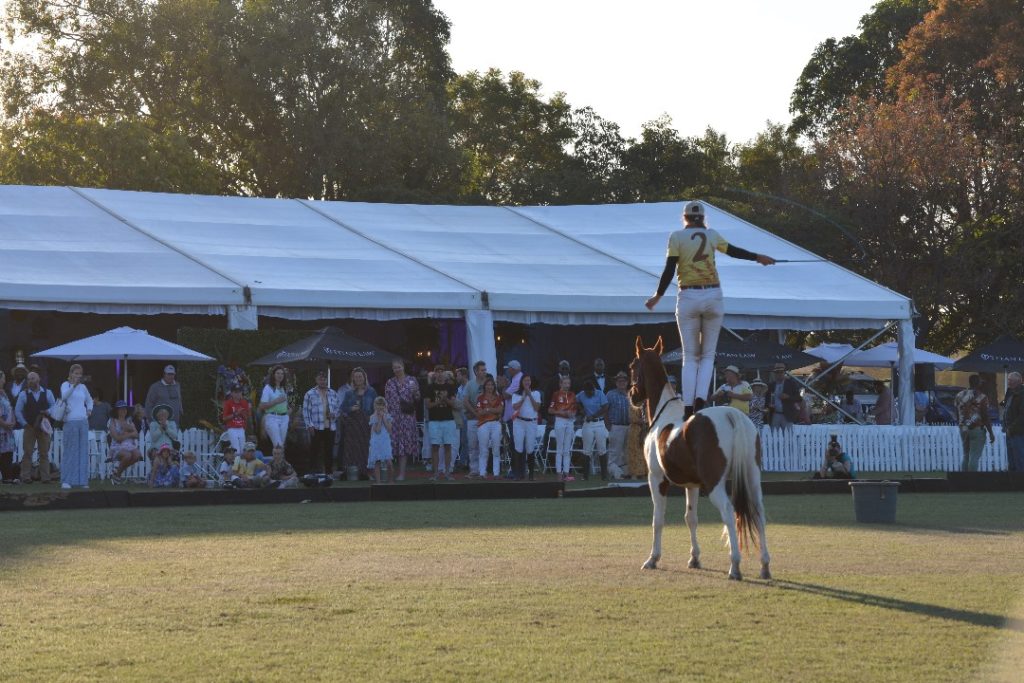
<point x="59" y="410"/>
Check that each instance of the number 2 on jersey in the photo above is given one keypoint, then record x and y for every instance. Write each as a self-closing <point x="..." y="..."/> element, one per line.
<point x="702" y="250"/>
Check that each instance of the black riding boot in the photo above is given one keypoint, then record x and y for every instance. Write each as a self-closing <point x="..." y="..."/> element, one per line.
<point x="698" y="404"/>
<point x="517" y="464"/>
<point x="604" y="468"/>
<point x="586" y="468"/>
<point x="687" y="412"/>
<point x="530" y="465"/>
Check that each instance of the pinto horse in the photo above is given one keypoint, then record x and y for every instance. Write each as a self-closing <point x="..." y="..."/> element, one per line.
<point x="715" y="445"/>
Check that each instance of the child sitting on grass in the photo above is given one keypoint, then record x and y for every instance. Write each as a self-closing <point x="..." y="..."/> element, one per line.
<point x="380" y="441"/>
<point x="164" y="473"/>
<point x="227" y="466"/>
<point x="282" y="474"/>
<point x="190" y="475"/>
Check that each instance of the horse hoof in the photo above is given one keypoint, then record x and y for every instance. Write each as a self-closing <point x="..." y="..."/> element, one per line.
<point x="649" y="564"/>
<point x="694" y="563"/>
<point x="735" y="575"/>
<point x="765" y="573"/>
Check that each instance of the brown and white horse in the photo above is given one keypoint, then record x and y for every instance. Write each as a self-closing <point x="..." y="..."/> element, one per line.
<point x="715" y="445"/>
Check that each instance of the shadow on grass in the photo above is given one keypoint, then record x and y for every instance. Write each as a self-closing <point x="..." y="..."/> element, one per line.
<point x="980" y="514"/>
<point x="985" y="619"/>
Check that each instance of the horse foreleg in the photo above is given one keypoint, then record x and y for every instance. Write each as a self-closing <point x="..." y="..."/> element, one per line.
<point x="721" y="501"/>
<point x="692" y="496"/>
<point x="657" y="483"/>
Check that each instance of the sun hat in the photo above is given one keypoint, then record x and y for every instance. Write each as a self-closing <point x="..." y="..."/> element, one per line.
<point x="249" y="446"/>
<point x="121" y="404"/>
<point x="732" y="368"/>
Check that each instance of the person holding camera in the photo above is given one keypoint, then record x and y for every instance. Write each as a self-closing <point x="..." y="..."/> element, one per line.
<point x="837" y="464"/>
<point x="736" y="392"/>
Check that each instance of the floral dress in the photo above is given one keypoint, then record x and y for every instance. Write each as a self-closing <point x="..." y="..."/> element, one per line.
<point x="404" y="435"/>
<point x="114" y="426"/>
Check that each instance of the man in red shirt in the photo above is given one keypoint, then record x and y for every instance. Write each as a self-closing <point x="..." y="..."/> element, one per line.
<point x="236" y="417"/>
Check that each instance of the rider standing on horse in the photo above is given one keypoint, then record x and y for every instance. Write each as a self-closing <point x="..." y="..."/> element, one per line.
<point x="699" y="308"/>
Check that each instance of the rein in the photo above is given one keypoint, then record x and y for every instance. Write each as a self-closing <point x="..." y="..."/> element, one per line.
<point x="661" y="410"/>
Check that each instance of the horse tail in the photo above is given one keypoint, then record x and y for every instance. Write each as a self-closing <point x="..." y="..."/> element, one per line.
<point x="744" y="477"/>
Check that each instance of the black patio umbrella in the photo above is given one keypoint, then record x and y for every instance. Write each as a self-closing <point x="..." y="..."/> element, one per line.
<point x="329" y="345"/>
<point x="1004" y="354"/>
<point x="750" y="355"/>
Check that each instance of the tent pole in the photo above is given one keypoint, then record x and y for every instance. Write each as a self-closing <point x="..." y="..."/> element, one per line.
<point x="906" y="340"/>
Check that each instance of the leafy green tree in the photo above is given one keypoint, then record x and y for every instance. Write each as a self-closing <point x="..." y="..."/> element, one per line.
<point x="48" y="150"/>
<point x="332" y="98"/>
<point x="514" y="144"/>
<point x="854" y="66"/>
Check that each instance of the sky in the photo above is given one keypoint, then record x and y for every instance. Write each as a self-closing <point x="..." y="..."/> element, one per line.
<point x="729" y="64"/>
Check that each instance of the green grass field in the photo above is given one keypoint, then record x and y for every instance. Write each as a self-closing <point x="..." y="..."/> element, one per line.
<point x="511" y="590"/>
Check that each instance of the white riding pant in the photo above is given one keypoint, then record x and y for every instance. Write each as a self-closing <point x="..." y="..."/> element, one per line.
<point x="489" y="435"/>
<point x="595" y="437"/>
<point x="236" y="437"/>
<point x="699" y="314"/>
<point x="276" y="427"/>
<point x="524" y="435"/>
<point x="565" y="433"/>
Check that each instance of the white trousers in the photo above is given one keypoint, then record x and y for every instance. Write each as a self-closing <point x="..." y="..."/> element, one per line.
<point x="489" y="435"/>
<point x="276" y="427"/>
<point x="595" y="437"/>
<point x="565" y="433"/>
<point x="617" y="446"/>
<point x="236" y="437"/>
<point x="699" y="314"/>
<point x="473" y="445"/>
<point x="524" y="435"/>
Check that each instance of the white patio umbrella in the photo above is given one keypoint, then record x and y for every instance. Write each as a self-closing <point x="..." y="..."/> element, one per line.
<point x="830" y="353"/>
<point x="887" y="355"/>
<point x="125" y="344"/>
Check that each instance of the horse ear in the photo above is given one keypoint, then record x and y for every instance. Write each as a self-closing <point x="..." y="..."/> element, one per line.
<point x="659" y="346"/>
<point x="639" y="346"/>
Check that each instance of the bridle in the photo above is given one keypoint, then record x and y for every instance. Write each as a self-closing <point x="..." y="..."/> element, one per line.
<point x="641" y="393"/>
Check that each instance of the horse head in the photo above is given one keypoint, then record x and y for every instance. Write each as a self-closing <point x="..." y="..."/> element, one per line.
<point x="647" y="374"/>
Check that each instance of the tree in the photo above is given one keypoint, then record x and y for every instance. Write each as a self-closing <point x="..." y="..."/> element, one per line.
<point x="331" y="99"/>
<point x="513" y="143"/>
<point x="854" y="66"/>
<point x="48" y="150"/>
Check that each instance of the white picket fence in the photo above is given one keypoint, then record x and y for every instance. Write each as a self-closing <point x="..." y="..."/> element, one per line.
<point x="923" y="448"/>
<point x="199" y="441"/>
<point x="798" y="449"/>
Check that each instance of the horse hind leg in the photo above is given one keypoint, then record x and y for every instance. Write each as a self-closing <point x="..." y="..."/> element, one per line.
<point x="766" y="559"/>
<point x="659" y="496"/>
<point x="721" y="501"/>
<point x="692" y="496"/>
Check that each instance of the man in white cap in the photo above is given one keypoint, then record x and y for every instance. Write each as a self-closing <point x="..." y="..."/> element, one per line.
<point x="165" y="391"/>
<point x="735" y="390"/>
<point x="699" y="307"/>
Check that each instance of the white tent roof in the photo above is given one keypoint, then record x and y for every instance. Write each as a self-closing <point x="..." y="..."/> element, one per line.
<point x="116" y="251"/>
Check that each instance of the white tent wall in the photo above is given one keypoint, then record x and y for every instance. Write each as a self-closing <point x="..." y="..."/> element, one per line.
<point x="140" y="252"/>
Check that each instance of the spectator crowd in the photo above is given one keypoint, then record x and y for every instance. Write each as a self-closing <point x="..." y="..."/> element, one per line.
<point x="469" y="422"/>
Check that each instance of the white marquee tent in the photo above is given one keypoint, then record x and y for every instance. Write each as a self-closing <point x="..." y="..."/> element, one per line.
<point x="108" y="251"/>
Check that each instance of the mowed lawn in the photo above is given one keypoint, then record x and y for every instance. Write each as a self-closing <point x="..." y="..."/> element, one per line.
<point x="511" y="590"/>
